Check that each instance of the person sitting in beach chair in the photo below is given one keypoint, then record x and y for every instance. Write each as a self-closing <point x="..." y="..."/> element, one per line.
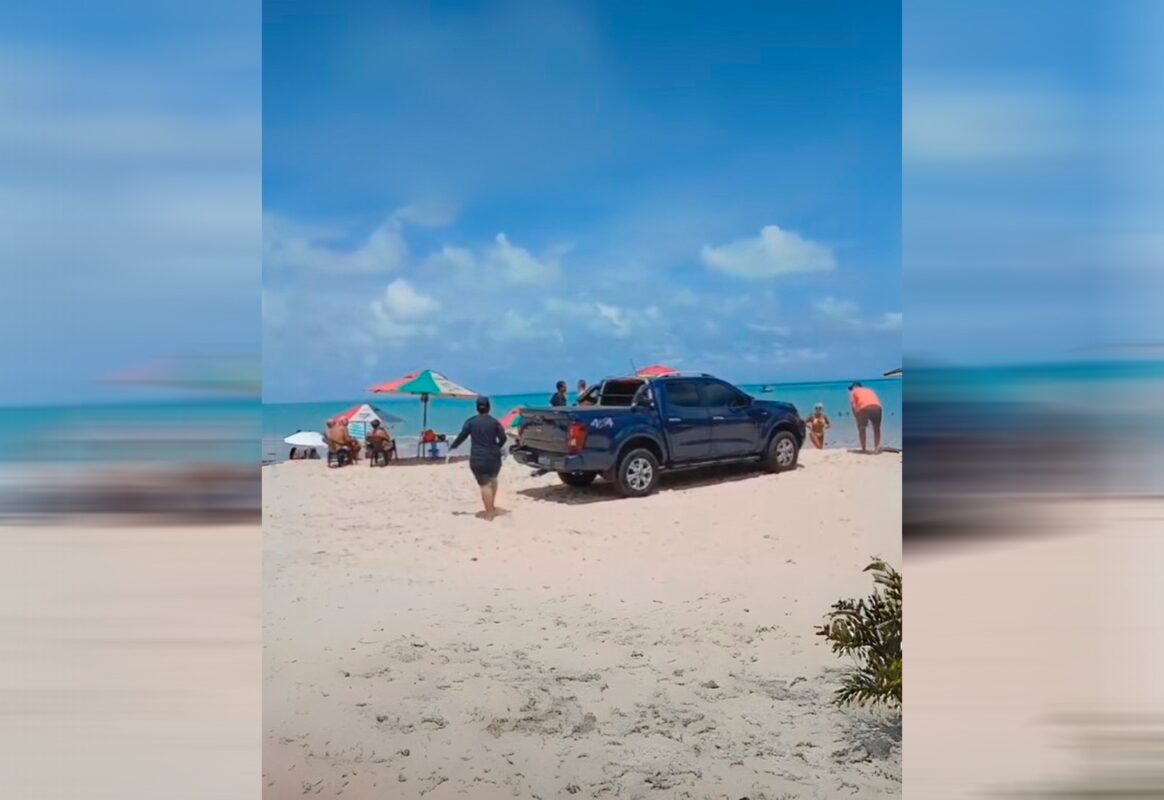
<point x="341" y="447"/>
<point x="380" y="445"/>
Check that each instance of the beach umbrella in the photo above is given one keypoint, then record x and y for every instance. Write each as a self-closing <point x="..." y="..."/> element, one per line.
<point x="366" y="412"/>
<point x="306" y="439"/>
<point x="359" y="417"/>
<point x="656" y="371"/>
<point x="512" y="421"/>
<point x="427" y="384"/>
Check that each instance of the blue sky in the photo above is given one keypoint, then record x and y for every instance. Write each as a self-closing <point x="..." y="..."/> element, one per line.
<point x="517" y="192"/>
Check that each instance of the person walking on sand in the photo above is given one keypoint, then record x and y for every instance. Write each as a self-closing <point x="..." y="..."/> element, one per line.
<point x="818" y="423"/>
<point x="559" y="398"/>
<point x="866" y="407"/>
<point x="486" y="437"/>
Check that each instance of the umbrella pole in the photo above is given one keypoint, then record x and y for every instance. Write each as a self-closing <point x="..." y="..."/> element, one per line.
<point x="423" y="425"/>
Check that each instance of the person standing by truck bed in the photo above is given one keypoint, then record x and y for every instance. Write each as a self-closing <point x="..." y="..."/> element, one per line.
<point x="486" y="437"/>
<point x="559" y="398"/>
<point x="866" y="407"/>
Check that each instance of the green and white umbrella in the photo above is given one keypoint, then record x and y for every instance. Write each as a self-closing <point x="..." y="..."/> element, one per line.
<point x="427" y="384"/>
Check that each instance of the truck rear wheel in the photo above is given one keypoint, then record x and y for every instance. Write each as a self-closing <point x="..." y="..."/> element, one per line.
<point x="782" y="452"/>
<point x="578" y="479"/>
<point x="637" y="474"/>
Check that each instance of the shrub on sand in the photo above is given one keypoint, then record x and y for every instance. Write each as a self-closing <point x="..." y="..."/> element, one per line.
<point x="869" y="631"/>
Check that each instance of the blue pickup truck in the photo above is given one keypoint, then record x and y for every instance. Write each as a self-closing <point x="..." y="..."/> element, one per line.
<point x="629" y="430"/>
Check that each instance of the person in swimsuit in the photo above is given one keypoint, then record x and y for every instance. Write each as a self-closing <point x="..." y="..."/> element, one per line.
<point x="486" y="437"/>
<point x="818" y="423"/>
<point x="866" y="407"/>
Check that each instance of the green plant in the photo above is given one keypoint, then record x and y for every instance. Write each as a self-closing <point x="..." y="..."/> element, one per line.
<point x="869" y="631"/>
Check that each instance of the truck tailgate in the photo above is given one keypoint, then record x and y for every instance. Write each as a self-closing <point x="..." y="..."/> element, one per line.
<point x="544" y="430"/>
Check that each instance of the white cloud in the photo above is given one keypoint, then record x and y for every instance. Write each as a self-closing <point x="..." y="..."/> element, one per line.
<point x="786" y="356"/>
<point x="516" y="327"/>
<point x="798" y="355"/>
<point x="291" y="247"/>
<point x="449" y="261"/>
<point x="774" y="252"/>
<point x="847" y="314"/>
<point x="519" y="266"/>
<point x="427" y="215"/>
<point x="772" y="330"/>
<point x="607" y="319"/>
<point x="402" y="312"/>
<point x="502" y="261"/>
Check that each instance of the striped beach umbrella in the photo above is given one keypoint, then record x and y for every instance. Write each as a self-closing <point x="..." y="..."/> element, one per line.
<point x="656" y="371"/>
<point x="427" y="384"/>
<point x="512" y="421"/>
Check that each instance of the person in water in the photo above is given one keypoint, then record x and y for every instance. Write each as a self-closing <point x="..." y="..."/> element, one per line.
<point x="866" y="407"/>
<point x="486" y="437"/>
<point x="559" y="398"/>
<point x="818" y="423"/>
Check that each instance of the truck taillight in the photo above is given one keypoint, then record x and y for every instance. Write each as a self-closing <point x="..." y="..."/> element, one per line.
<point x="576" y="437"/>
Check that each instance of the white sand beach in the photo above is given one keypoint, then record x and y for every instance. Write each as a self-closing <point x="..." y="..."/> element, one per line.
<point x="579" y="645"/>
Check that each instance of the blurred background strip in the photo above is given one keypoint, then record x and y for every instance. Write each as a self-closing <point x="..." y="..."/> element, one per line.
<point x="130" y="241"/>
<point x="1033" y="511"/>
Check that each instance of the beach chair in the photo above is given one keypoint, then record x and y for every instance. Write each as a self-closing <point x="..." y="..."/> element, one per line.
<point x="378" y="455"/>
<point x="429" y="444"/>
<point x="338" y="456"/>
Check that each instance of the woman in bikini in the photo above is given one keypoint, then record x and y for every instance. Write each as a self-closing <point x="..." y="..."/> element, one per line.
<point x="817" y="424"/>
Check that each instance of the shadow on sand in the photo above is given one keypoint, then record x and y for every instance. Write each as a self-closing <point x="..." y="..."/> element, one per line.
<point x="602" y="491"/>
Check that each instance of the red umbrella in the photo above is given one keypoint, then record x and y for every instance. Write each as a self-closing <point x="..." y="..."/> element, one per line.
<point x="511" y="421"/>
<point x="656" y="371"/>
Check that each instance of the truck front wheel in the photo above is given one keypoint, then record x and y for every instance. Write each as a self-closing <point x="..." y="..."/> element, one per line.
<point x="782" y="452"/>
<point x="579" y="480"/>
<point x="637" y="473"/>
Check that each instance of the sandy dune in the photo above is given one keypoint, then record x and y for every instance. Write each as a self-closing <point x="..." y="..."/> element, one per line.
<point x="579" y="645"/>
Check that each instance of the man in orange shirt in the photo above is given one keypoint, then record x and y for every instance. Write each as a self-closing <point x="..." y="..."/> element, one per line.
<point x="866" y="407"/>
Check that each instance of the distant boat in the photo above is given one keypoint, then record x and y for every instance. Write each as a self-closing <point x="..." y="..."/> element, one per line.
<point x="766" y="389"/>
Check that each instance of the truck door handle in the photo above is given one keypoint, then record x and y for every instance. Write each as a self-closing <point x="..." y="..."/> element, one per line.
<point x="718" y="419"/>
<point x="674" y="419"/>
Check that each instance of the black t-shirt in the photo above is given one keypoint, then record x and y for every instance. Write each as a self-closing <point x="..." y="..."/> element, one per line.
<point x="559" y="399"/>
<point x="486" y="437"/>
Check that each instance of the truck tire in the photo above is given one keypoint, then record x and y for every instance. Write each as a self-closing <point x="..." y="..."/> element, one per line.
<point x="782" y="452"/>
<point x="637" y="474"/>
<point x="579" y="480"/>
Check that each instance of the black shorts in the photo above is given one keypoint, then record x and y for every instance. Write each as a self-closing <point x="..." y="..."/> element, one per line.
<point x="485" y="473"/>
<point x="867" y="415"/>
